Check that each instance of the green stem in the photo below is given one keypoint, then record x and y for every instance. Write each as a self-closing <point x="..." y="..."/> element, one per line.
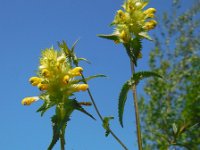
<point x="62" y="140"/>
<point x="137" y="115"/>
<point x="100" y="116"/>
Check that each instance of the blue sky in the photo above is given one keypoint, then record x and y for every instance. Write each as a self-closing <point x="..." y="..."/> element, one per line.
<point x="27" y="27"/>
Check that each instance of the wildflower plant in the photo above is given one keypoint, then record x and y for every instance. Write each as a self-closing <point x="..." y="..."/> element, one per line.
<point x="58" y="79"/>
<point x="131" y="25"/>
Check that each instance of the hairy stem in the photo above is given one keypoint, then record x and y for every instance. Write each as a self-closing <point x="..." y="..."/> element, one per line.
<point x="137" y="115"/>
<point x="100" y="116"/>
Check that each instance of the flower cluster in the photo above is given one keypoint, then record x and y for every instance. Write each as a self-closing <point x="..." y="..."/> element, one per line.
<point x="133" y="21"/>
<point x="55" y="78"/>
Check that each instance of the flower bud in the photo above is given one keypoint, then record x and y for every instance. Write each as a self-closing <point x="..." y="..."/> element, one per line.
<point x="123" y="35"/>
<point x="150" y="25"/>
<point x="150" y="11"/>
<point x="75" y="71"/>
<point x="29" y="100"/>
<point x="42" y="87"/>
<point x="46" y="73"/>
<point x="66" y="79"/>
<point x="35" y="81"/>
<point x="79" y="87"/>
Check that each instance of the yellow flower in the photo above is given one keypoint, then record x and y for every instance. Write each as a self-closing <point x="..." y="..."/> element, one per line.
<point x="124" y="36"/>
<point x="29" y="100"/>
<point x="42" y="86"/>
<point x="75" y="71"/>
<point x="46" y="73"/>
<point x="150" y="25"/>
<point x="150" y="13"/>
<point x="66" y="79"/>
<point x="131" y="22"/>
<point x="35" y="81"/>
<point x="79" y="87"/>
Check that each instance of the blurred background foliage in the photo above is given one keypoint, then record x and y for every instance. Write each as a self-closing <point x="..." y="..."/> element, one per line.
<point x="170" y="110"/>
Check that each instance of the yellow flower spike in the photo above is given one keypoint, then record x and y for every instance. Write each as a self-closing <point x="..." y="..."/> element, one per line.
<point x="42" y="87"/>
<point x="75" y="71"/>
<point x="66" y="79"/>
<point x="35" y="81"/>
<point x="46" y="73"/>
<point x="29" y="100"/>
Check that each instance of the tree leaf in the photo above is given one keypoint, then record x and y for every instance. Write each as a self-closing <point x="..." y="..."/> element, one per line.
<point x="175" y="129"/>
<point x="122" y="101"/>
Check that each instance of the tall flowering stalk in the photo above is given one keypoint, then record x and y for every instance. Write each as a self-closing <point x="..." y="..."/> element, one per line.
<point x="132" y="24"/>
<point x="58" y="82"/>
<point x="59" y="77"/>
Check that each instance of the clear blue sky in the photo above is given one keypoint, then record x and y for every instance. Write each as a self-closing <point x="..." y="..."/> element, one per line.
<point x="27" y="27"/>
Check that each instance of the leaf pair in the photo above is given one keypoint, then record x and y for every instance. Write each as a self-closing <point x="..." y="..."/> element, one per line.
<point x="61" y="118"/>
<point x="136" y="77"/>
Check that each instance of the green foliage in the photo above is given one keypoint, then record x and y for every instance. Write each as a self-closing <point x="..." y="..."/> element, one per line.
<point x="61" y="118"/>
<point x="113" y="37"/>
<point x="170" y="116"/>
<point x="122" y="101"/>
<point x="136" y="77"/>
<point x="106" y="125"/>
<point x="133" y="49"/>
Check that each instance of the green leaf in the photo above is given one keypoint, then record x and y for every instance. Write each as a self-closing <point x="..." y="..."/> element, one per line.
<point x="95" y="76"/>
<point x="56" y="132"/>
<point x="45" y="106"/>
<point x="83" y="59"/>
<point x="133" y="49"/>
<point x="145" y="35"/>
<point x="78" y="107"/>
<point x="122" y="100"/>
<point x="106" y="124"/>
<point x="64" y="47"/>
<point x="113" y="37"/>
<point x="73" y="46"/>
<point x="136" y="77"/>
<point x="88" y="78"/>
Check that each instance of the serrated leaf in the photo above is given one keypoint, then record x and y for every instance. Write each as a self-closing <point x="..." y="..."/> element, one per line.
<point x="133" y="49"/>
<point x="122" y="100"/>
<point x="45" y="106"/>
<point x="113" y="37"/>
<point x="145" y="35"/>
<point x="56" y="133"/>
